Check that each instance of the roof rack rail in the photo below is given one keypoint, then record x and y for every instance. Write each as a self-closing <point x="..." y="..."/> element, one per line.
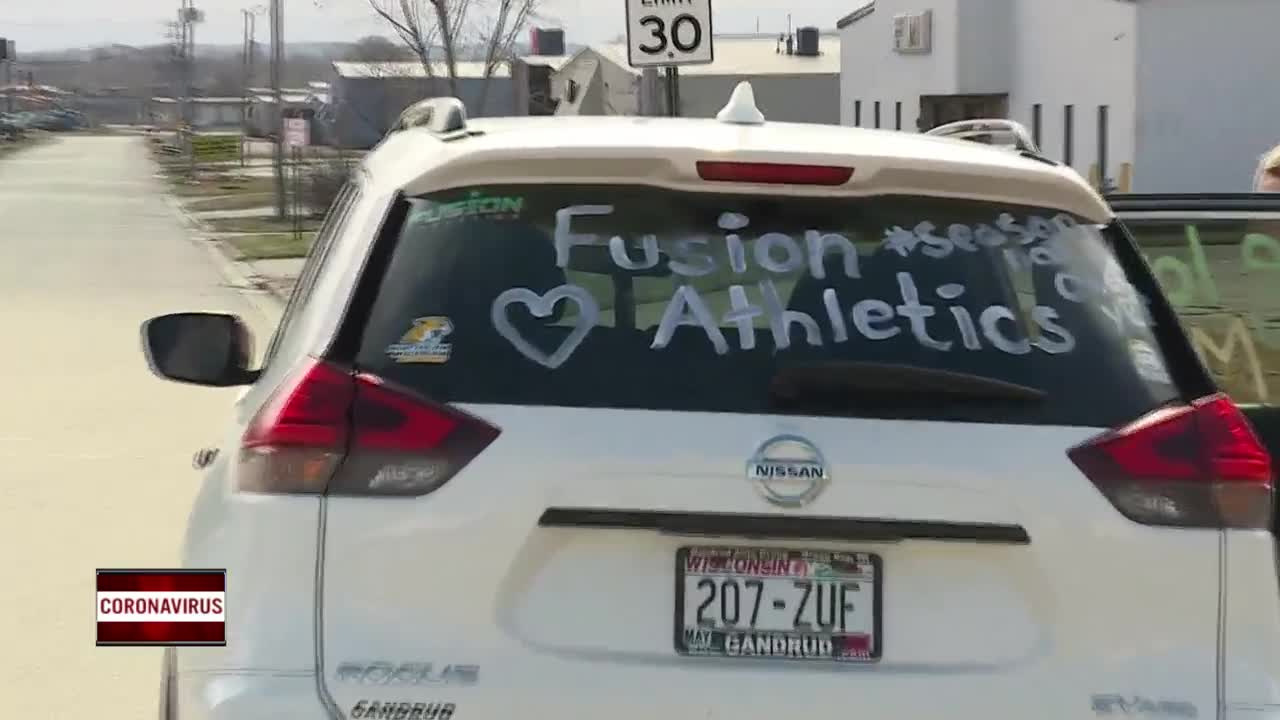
<point x="988" y="131"/>
<point x="440" y="115"/>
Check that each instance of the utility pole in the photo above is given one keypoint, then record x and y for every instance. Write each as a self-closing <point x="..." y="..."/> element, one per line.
<point x="277" y="114"/>
<point x="247" y="68"/>
<point x="184" y="57"/>
<point x="188" y="16"/>
<point x="7" y="58"/>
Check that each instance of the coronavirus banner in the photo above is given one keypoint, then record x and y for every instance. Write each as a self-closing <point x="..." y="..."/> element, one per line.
<point x="161" y="607"/>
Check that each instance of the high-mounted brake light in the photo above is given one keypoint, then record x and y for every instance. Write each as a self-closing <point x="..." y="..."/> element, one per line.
<point x="773" y="173"/>
<point x="330" y="431"/>
<point x="1199" y="465"/>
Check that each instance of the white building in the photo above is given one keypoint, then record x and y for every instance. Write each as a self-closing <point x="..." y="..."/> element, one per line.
<point x="1156" y="94"/>
<point x="207" y="113"/>
<point x="1207" y="108"/>
<point x="1065" y="69"/>
<point x="791" y="84"/>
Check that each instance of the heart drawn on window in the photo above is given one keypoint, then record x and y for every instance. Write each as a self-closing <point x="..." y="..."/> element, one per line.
<point x="542" y="306"/>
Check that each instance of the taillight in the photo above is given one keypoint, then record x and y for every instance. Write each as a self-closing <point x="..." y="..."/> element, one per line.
<point x="1199" y="465"/>
<point x="330" y="431"/>
<point x="773" y="173"/>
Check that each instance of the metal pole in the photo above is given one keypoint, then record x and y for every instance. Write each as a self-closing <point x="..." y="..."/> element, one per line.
<point x="184" y="27"/>
<point x="277" y="69"/>
<point x="253" y="50"/>
<point x="297" y="207"/>
<point x="189" y="52"/>
<point x="8" y="84"/>
<point x="191" y="73"/>
<point x="673" y="91"/>
<point x="244" y="106"/>
<point x="253" y="44"/>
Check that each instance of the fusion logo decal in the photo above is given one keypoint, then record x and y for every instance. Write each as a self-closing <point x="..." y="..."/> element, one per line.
<point x="410" y="673"/>
<point x="379" y="710"/>
<point x="475" y="205"/>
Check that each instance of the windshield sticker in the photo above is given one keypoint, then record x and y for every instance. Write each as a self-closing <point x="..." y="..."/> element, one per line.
<point x="475" y="205"/>
<point x="424" y="342"/>
<point x="1005" y="231"/>
<point x="541" y="306"/>
<point x="1148" y="362"/>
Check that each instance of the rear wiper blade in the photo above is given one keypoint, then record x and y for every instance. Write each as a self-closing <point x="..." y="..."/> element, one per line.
<point x="883" y="382"/>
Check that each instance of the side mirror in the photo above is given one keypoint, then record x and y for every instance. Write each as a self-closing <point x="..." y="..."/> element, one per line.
<point x="209" y="349"/>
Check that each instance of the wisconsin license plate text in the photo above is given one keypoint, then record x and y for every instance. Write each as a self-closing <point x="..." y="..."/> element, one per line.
<point x="774" y="603"/>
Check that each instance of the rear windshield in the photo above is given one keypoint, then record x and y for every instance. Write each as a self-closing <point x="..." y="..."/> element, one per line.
<point x="649" y="299"/>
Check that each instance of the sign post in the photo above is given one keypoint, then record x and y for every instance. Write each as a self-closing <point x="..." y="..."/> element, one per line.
<point x="297" y="135"/>
<point x="668" y="34"/>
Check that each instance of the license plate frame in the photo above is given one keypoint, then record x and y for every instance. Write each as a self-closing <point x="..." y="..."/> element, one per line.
<point x="715" y="645"/>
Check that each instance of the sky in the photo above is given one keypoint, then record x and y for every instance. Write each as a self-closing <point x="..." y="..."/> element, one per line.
<point x="54" y="24"/>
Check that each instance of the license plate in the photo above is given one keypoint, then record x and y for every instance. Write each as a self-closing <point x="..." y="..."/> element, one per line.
<point x="771" y="603"/>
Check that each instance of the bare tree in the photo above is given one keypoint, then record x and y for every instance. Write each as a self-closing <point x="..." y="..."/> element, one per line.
<point x="511" y="18"/>
<point x="375" y="48"/>
<point x="450" y="26"/>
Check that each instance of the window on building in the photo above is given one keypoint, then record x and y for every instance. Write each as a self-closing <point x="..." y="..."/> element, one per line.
<point x="1103" y="121"/>
<point x="1068" y="133"/>
<point x="857" y="113"/>
<point x="571" y="93"/>
<point x="877" y="116"/>
<point x="897" y="116"/>
<point x="1037" y="123"/>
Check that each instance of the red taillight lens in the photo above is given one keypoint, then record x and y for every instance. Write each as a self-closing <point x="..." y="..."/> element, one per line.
<point x="327" y="430"/>
<point x="1199" y="465"/>
<point x="773" y="173"/>
<point x="298" y="437"/>
<point x="402" y="445"/>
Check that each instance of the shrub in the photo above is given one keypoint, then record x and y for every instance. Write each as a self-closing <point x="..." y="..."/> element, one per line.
<point x="322" y="183"/>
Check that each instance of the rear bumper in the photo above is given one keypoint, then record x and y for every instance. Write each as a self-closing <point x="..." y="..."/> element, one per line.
<point x="227" y="695"/>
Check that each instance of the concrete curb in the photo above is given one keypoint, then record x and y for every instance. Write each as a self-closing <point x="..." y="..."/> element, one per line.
<point x="237" y="273"/>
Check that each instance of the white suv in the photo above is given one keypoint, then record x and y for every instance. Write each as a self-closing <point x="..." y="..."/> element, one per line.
<point x="640" y="418"/>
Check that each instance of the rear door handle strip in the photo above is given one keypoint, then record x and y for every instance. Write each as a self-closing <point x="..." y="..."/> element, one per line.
<point x="784" y="526"/>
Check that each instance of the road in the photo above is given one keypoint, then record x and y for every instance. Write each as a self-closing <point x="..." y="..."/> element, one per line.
<point x="95" y="451"/>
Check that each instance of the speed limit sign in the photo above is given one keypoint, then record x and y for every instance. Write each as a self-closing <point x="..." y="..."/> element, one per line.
<point x="668" y="33"/>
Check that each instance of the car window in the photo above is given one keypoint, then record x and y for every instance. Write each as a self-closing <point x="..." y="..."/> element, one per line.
<point x="1221" y="272"/>
<point x="330" y="229"/>
<point x="642" y="298"/>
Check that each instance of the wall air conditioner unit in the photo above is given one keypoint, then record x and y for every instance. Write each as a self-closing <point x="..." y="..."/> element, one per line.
<point x="899" y="32"/>
<point x="913" y="33"/>
<point x="925" y="20"/>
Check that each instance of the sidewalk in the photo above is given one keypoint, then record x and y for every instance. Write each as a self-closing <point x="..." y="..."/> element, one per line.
<point x="276" y="276"/>
<point x="267" y="211"/>
<point x="279" y="275"/>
